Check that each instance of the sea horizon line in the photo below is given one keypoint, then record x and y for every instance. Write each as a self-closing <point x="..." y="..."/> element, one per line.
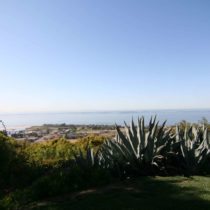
<point x="106" y="111"/>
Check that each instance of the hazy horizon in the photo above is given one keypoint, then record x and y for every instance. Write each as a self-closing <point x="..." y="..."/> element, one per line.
<point x="75" y="56"/>
<point x="104" y="111"/>
<point x="24" y="120"/>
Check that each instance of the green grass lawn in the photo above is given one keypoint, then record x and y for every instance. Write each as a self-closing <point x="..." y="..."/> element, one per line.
<point x="144" y="193"/>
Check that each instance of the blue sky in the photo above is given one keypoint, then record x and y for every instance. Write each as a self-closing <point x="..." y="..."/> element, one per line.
<point x="74" y="55"/>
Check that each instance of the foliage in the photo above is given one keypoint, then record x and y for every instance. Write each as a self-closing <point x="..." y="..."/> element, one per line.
<point x="15" y="171"/>
<point x="93" y="141"/>
<point x="58" y="181"/>
<point x="50" y="153"/>
<point x="140" y="150"/>
<point x="194" y="149"/>
<point x="156" y="150"/>
<point x="33" y="171"/>
<point x="52" y="167"/>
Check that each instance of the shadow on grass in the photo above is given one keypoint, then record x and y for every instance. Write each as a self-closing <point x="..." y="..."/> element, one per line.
<point x="146" y="193"/>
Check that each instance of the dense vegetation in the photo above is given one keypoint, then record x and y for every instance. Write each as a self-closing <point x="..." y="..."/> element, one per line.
<point x="35" y="171"/>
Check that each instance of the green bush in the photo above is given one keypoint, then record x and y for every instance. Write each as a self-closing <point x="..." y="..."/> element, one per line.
<point x="49" y="153"/>
<point x="15" y="171"/>
<point x="58" y="182"/>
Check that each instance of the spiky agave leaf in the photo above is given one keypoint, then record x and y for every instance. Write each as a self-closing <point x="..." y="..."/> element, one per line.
<point x="86" y="160"/>
<point x="138" y="146"/>
<point x="194" y="148"/>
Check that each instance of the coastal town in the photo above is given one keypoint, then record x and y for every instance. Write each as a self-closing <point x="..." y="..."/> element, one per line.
<point x="56" y="131"/>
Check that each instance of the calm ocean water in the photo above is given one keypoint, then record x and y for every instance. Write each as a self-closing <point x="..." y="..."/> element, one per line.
<point x="18" y="121"/>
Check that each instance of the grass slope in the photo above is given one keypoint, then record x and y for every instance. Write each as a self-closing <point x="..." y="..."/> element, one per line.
<point x="144" y="193"/>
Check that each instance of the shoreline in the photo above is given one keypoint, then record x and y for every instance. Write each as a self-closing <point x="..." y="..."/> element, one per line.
<point x="22" y="121"/>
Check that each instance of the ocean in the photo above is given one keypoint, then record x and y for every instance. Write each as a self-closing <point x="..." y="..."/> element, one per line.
<point x="22" y="120"/>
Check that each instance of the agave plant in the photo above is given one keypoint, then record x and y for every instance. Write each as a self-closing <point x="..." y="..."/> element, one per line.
<point x="87" y="160"/>
<point x="88" y="167"/>
<point x="194" y="148"/>
<point x="141" y="147"/>
<point x="152" y="149"/>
